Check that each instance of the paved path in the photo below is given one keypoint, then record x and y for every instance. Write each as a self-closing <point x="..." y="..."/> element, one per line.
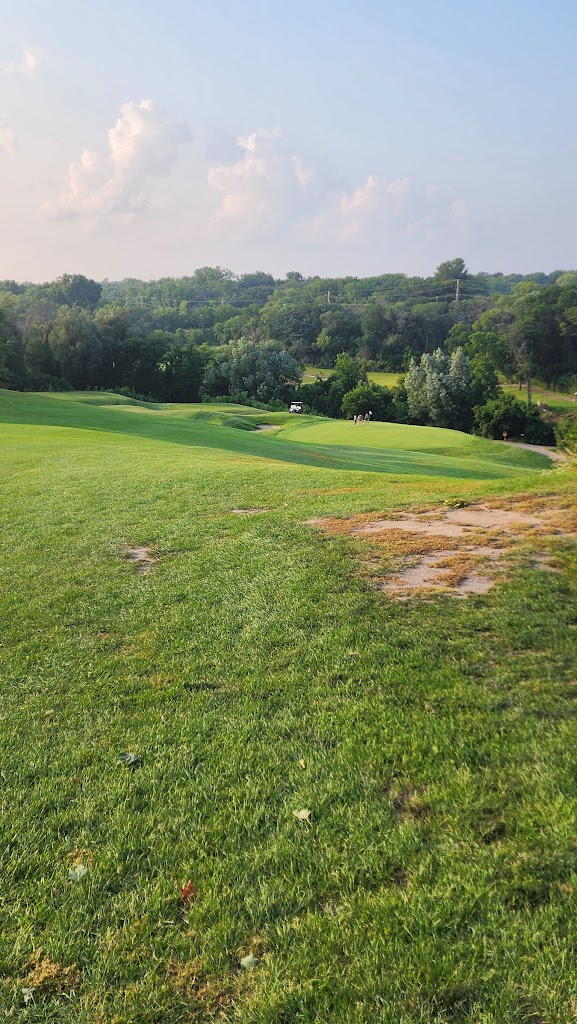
<point x="542" y="449"/>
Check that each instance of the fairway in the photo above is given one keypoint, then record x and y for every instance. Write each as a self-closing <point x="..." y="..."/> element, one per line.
<point x="305" y="440"/>
<point x="387" y="380"/>
<point x="243" y="784"/>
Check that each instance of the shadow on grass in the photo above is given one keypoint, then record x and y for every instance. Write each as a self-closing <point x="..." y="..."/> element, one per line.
<point x="36" y="410"/>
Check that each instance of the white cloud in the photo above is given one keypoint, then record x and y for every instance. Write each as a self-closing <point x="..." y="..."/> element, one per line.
<point x="7" y="141"/>
<point x="28" y="63"/>
<point x="265" y="191"/>
<point x="142" y="145"/>
<point x="383" y="213"/>
<point x="270" y="192"/>
<point x="376" y="194"/>
<point x="376" y="200"/>
<point x="459" y="210"/>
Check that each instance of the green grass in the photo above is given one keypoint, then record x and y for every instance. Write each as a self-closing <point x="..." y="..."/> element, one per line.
<point x="255" y="673"/>
<point x="384" y="379"/>
<point x="553" y="399"/>
<point x="306" y="440"/>
<point x="387" y="380"/>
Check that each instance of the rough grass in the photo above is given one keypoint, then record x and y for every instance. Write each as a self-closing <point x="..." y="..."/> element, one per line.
<point x="253" y="673"/>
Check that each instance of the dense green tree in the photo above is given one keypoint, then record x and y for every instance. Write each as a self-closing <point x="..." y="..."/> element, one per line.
<point x="451" y="270"/>
<point x="348" y="372"/>
<point x="39" y="356"/>
<point x="4" y="371"/>
<point x="525" y="326"/>
<point x="442" y="388"/>
<point x="378" y="323"/>
<point x="367" y="398"/>
<point x="257" y="286"/>
<point x="75" y="290"/>
<point x="261" y="370"/>
<point x="76" y="345"/>
<point x="295" y="325"/>
<point x="12" y="356"/>
<point x="244" y="324"/>
<point x="457" y="337"/>
<point x="182" y="371"/>
<point x="340" y="332"/>
<point x="505" y="414"/>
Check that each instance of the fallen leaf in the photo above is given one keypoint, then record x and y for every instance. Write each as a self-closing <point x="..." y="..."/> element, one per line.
<point x="130" y="760"/>
<point x="77" y="872"/>
<point x="27" y="995"/>
<point x="304" y="815"/>
<point x="248" y="962"/>
<point x="302" y="762"/>
<point x="188" y="892"/>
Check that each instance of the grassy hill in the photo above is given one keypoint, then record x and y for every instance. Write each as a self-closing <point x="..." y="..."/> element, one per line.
<point x="305" y="440"/>
<point x="253" y="671"/>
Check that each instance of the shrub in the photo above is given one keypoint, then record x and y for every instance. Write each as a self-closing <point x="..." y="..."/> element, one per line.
<point x="506" y="414"/>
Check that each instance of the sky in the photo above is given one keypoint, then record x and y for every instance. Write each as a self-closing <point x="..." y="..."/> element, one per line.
<point x="332" y="137"/>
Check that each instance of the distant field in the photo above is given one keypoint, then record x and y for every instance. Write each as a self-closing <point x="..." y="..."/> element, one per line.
<point x="384" y="379"/>
<point x="240" y="782"/>
<point x="551" y="398"/>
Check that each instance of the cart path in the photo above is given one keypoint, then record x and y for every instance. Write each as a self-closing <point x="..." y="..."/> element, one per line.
<point x="542" y="449"/>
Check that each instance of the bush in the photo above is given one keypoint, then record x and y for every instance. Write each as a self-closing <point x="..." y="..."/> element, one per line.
<point x="131" y="393"/>
<point x="38" y="382"/>
<point x="566" y="433"/>
<point x="506" y="414"/>
<point x="275" y="405"/>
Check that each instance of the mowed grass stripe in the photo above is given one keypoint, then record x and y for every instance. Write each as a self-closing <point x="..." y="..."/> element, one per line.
<point x="48" y="411"/>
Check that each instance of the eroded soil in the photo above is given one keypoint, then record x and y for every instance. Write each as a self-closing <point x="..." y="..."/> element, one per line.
<point x="247" y="511"/>
<point x="142" y="558"/>
<point x="456" y="551"/>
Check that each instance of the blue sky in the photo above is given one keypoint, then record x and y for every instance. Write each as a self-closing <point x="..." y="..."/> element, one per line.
<point x="146" y="139"/>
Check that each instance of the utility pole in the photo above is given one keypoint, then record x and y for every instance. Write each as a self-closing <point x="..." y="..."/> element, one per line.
<point x="458" y="289"/>
<point x="329" y="297"/>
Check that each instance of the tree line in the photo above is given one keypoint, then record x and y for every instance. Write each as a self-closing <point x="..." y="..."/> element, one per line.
<point x="215" y="334"/>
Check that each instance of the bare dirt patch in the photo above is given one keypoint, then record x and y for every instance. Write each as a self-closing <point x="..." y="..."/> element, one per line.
<point x="248" y="511"/>
<point x="456" y="551"/>
<point x="141" y="557"/>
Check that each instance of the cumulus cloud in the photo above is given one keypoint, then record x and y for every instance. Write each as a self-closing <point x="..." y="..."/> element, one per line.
<point x="270" y="191"/>
<point x="266" y="190"/>
<point x="388" y="212"/>
<point x="7" y="141"/>
<point x="27" y="65"/>
<point x="142" y="145"/>
<point x="376" y="198"/>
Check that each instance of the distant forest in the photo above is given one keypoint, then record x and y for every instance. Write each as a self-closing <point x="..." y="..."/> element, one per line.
<point x="169" y="340"/>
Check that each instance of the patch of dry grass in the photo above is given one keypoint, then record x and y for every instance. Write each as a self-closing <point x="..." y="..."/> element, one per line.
<point x="480" y="550"/>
